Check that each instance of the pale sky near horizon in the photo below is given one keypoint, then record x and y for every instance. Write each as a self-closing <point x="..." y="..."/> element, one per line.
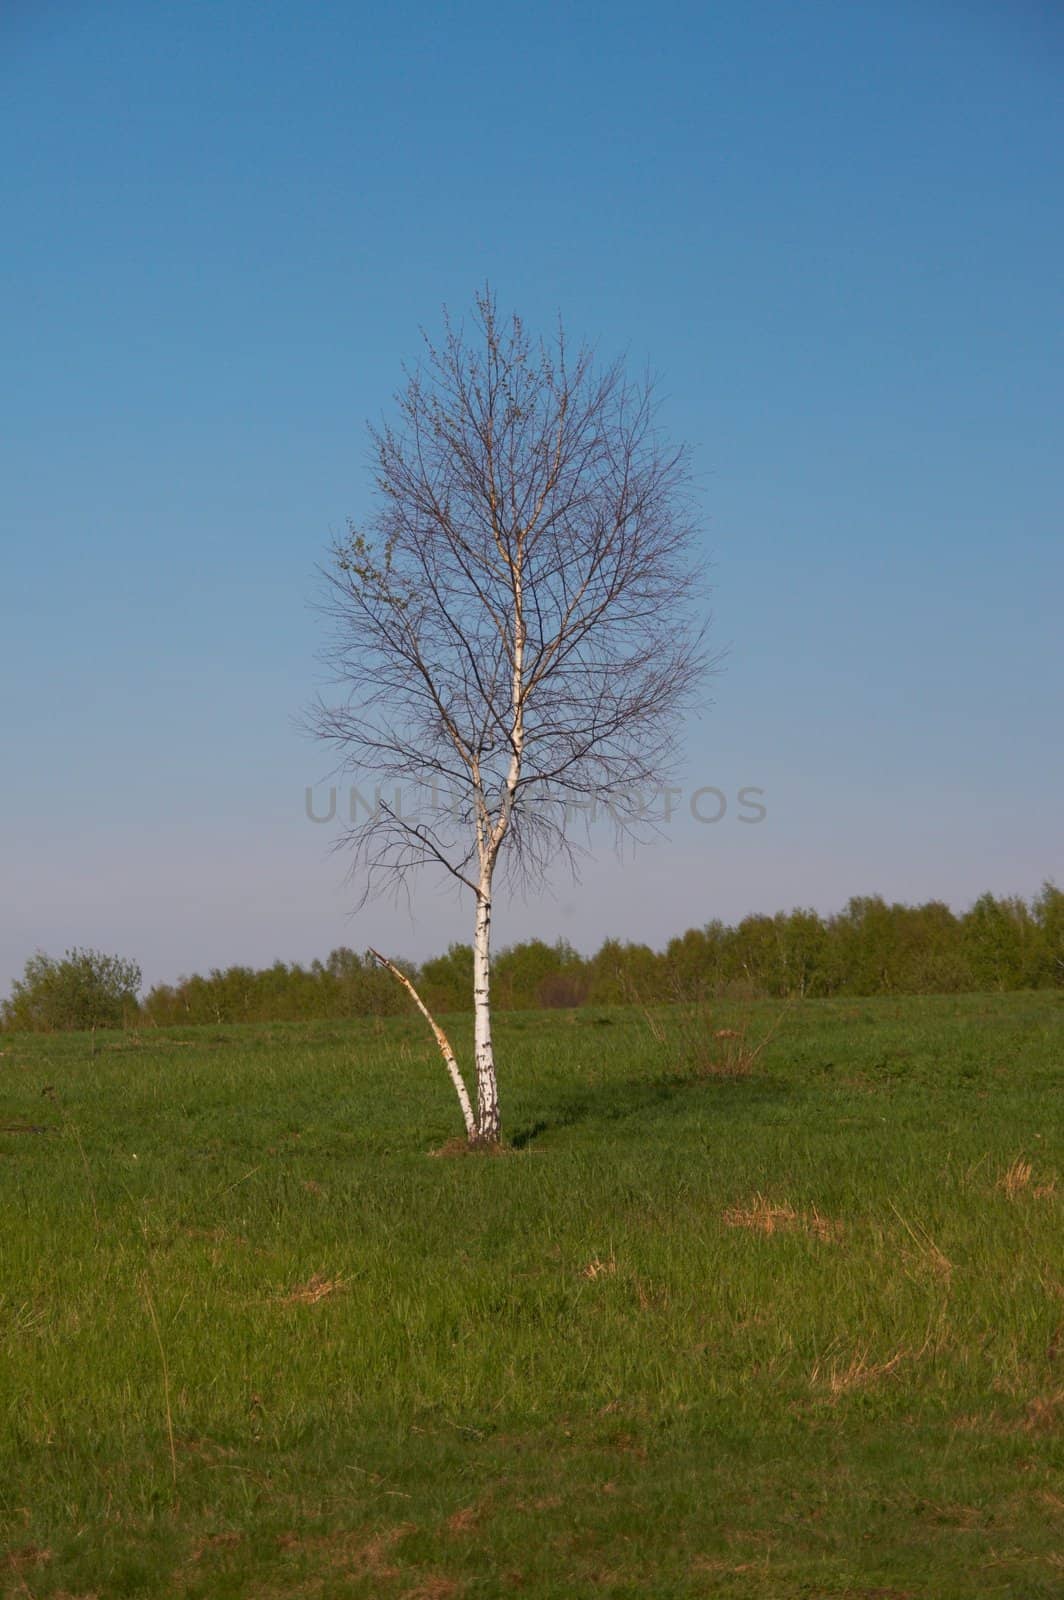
<point x="834" y="230"/>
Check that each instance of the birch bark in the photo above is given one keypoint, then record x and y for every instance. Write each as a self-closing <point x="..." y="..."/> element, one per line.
<point x="487" y="1125"/>
<point x="490" y="835"/>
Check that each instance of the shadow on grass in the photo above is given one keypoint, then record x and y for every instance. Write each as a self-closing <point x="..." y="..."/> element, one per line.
<point x="614" y="1102"/>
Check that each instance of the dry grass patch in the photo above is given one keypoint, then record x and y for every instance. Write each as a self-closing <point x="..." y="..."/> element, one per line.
<point x="213" y="1542"/>
<point x="1042" y="1413"/>
<point x="718" y="1566"/>
<point x="767" y="1216"/>
<point x="471" y="1147"/>
<point x="1045" y="1413"/>
<point x="599" y="1269"/>
<point x="651" y="1296"/>
<point x="925" y="1255"/>
<point x="434" y="1587"/>
<point x="858" y="1372"/>
<point x="1018" y="1179"/>
<point x="218" y="1241"/>
<point x="882" y="1594"/>
<point x="1015" y="1179"/>
<point x="546" y="1502"/>
<point x="209" y="1451"/>
<point x="318" y="1287"/>
<point x="30" y="1555"/>
<point x="466" y="1519"/>
<point x="351" y="1553"/>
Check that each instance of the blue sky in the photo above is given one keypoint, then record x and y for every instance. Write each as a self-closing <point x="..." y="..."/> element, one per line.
<point x="835" y="231"/>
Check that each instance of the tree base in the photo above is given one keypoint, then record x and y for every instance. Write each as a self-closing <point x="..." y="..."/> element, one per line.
<point x="473" y="1147"/>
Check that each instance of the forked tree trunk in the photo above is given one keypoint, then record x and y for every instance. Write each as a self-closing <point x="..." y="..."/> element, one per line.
<point x="487" y="1085"/>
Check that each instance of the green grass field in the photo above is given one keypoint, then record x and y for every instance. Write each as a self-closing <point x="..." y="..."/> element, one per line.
<point x="799" y="1333"/>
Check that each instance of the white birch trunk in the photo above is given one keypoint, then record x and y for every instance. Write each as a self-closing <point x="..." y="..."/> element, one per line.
<point x="487" y="1084"/>
<point x="490" y="834"/>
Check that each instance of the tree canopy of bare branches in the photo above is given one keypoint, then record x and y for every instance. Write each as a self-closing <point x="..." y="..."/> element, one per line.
<point x="517" y="628"/>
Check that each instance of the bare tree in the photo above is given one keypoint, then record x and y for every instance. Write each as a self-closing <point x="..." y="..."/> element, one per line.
<point x="517" y="629"/>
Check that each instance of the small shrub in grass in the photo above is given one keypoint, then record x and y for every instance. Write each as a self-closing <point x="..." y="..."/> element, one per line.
<point x="690" y="1034"/>
<point x="710" y="1051"/>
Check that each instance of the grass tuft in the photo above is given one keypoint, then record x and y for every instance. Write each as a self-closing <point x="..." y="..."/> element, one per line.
<point x="317" y="1287"/>
<point x="766" y="1216"/>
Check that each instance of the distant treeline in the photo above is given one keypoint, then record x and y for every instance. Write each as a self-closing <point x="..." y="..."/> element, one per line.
<point x="869" y="948"/>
